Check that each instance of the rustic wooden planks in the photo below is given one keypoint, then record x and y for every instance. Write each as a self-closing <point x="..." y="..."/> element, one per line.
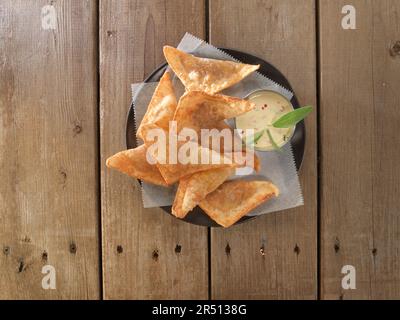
<point x="360" y="169"/>
<point x="49" y="207"/>
<point x="48" y="149"/>
<point x="274" y="256"/>
<point x="146" y="253"/>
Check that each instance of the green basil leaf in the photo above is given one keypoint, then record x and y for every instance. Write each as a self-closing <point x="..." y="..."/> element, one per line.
<point x="276" y="147"/>
<point x="252" y="140"/>
<point x="288" y="120"/>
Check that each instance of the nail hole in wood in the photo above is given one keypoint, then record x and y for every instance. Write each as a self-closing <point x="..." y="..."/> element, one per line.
<point x="155" y="255"/>
<point x="228" y="249"/>
<point x="296" y="249"/>
<point x="6" y="250"/>
<point x="72" y="247"/>
<point x="374" y="251"/>
<point x="120" y="249"/>
<point x="21" y="266"/>
<point x="336" y="246"/>
<point x="44" y="256"/>
<point x="111" y="33"/>
<point x="178" y="248"/>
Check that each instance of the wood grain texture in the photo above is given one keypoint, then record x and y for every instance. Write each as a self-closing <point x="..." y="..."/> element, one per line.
<point x="146" y="253"/>
<point x="273" y="256"/>
<point x="48" y="150"/>
<point x="360" y="169"/>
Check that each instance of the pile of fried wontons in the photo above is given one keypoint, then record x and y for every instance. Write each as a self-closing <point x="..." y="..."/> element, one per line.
<point x="199" y="108"/>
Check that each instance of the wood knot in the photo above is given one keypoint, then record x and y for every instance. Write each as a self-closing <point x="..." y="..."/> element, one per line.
<point x="6" y="250"/>
<point x="155" y="255"/>
<point x="228" y="249"/>
<point x="178" y="248"/>
<point x="395" y="49"/>
<point x="120" y="249"/>
<point x="77" y="129"/>
<point x="296" y="249"/>
<point x="374" y="251"/>
<point x="63" y="175"/>
<point x="72" y="247"/>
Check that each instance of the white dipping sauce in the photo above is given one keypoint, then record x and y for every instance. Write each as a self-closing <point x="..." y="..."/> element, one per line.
<point x="270" y="106"/>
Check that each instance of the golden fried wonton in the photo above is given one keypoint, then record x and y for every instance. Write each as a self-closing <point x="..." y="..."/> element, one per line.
<point x="195" y="188"/>
<point x="198" y="110"/>
<point x="205" y="74"/>
<point x="133" y="162"/>
<point x="162" y="106"/>
<point x="172" y="172"/>
<point x="186" y="158"/>
<point x="234" y="199"/>
<point x="235" y="146"/>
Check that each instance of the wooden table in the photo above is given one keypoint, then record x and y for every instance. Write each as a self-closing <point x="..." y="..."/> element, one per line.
<point x="65" y="74"/>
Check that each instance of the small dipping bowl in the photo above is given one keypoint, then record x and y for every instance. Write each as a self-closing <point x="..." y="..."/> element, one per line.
<point x="270" y="106"/>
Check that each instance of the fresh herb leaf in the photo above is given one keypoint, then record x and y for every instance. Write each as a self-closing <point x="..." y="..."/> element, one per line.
<point x="276" y="147"/>
<point x="288" y="120"/>
<point x="253" y="139"/>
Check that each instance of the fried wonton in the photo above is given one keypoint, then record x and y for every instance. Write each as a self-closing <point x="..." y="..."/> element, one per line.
<point x="199" y="110"/>
<point x="133" y="162"/>
<point x="234" y="199"/>
<point x="162" y="106"/>
<point x="205" y="74"/>
<point x="172" y="172"/>
<point x="234" y="141"/>
<point x="189" y="158"/>
<point x="235" y="145"/>
<point x="193" y="189"/>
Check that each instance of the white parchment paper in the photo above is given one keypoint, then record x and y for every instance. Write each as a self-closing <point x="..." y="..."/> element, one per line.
<point x="278" y="167"/>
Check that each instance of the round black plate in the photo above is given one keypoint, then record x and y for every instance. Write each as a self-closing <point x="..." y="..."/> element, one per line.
<point x="197" y="216"/>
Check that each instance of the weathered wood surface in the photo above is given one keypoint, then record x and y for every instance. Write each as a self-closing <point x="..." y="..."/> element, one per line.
<point x="51" y="180"/>
<point x="48" y="150"/>
<point x="360" y="168"/>
<point x="274" y="256"/>
<point x="146" y="253"/>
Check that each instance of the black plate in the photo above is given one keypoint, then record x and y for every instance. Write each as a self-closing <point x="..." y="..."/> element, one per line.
<point x="197" y="216"/>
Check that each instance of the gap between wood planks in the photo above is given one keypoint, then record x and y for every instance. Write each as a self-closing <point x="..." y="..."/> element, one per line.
<point x="100" y="225"/>
<point x="318" y="99"/>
